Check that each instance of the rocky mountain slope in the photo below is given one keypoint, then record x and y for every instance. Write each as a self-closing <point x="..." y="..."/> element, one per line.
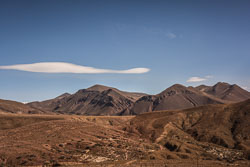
<point x="174" y="97"/>
<point x="48" y="105"/>
<point x="96" y="100"/>
<point x="102" y="100"/>
<point x="181" y="97"/>
<point x="226" y="91"/>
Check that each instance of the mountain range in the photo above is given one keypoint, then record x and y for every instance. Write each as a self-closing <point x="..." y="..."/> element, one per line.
<point x="96" y="100"/>
<point x="181" y="125"/>
<point x="181" y="97"/>
<point x="103" y="100"/>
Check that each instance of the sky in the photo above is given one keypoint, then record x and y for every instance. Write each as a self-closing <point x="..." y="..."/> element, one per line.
<point x="48" y="47"/>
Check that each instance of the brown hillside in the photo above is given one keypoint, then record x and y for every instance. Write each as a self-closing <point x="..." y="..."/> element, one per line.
<point x="224" y="125"/>
<point x="212" y="135"/>
<point x="8" y="106"/>
<point x="174" y="97"/>
<point x="49" y="140"/>
<point x="48" y="105"/>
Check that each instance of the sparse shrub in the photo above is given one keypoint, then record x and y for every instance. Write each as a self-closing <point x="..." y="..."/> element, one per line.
<point x="247" y="154"/>
<point x="56" y="164"/>
<point x="152" y="157"/>
<point x="170" y="146"/>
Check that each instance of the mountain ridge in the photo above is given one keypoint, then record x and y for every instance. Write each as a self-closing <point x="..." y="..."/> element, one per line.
<point x="104" y="100"/>
<point x="174" y="97"/>
<point x="9" y="106"/>
<point x="95" y="100"/>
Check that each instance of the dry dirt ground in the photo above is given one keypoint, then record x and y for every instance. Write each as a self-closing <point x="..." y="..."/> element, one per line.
<point x="50" y="140"/>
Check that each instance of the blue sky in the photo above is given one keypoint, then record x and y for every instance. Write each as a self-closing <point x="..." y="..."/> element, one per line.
<point x="176" y="40"/>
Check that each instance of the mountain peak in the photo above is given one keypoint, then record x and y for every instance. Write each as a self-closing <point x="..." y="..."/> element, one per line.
<point x="228" y="92"/>
<point x="99" y="88"/>
<point x="222" y="84"/>
<point x="63" y="95"/>
<point x="177" y="86"/>
<point x="202" y="87"/>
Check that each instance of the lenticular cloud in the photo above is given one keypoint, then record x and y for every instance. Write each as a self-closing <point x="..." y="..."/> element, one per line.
<point x="196" y="79"/>
<point x="199" y="79"/>
<point x="61" y="67"/>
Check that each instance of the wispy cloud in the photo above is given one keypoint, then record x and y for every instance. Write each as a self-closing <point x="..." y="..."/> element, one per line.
<point x="61" y="67"/>
<point x="170" y="35"/>
<point x="199" y="79"/>
<point x="209" y="76"/>
<point x="160" y="32"/>
<point x="148" y="30"/>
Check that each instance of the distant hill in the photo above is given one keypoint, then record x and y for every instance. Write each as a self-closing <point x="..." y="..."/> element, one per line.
<point x="180" y="97"/>
<point x="174" y="97"/>
<point x="96" y="100"/>
<point x="8" y="106"/>
<point x="48" y="105"/>
<point x="226" y="91"/>
<point x="103" y="100"/>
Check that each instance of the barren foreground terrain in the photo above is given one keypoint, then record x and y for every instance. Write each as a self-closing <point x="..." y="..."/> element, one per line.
<point x="153" y="139"/>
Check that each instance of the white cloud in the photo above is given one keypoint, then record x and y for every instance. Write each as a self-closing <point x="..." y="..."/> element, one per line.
<point x="196" y="79"/>
<point x="209" y="76"/>
<point x="199" y="79"/>
<point x="171" y="35"/>
<point x="61" y="67"/>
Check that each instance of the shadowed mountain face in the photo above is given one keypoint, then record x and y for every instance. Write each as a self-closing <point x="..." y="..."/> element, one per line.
<point x="96" y="100"/>
<point x="181" y="97"/>
<point x="102" y="100"/>
<point x="174" y="97"/>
